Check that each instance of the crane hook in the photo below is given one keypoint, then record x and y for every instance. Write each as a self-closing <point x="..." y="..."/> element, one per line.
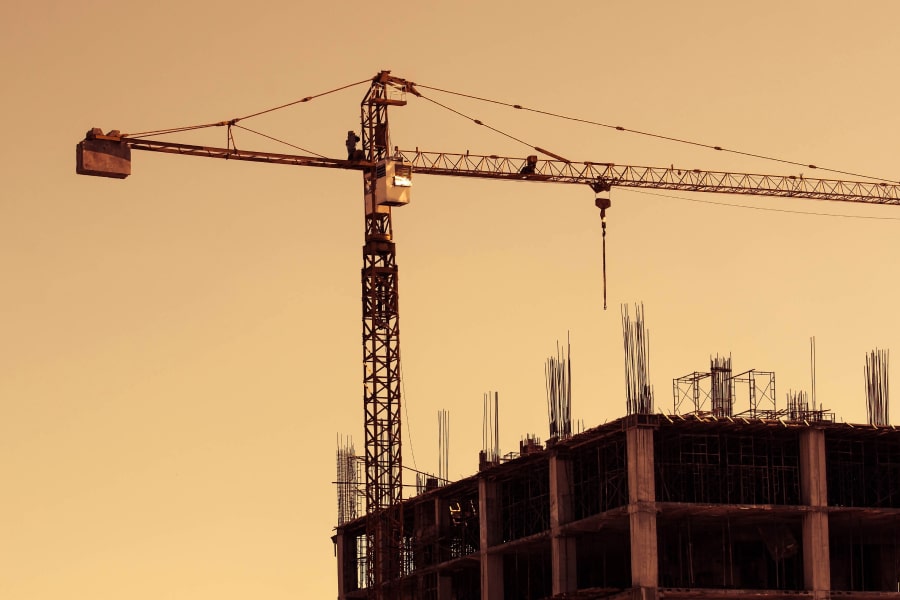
<point x="603" y="203"/>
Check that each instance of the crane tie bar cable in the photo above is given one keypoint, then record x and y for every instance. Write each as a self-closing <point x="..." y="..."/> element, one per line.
<point x="274" y="139"/>
<point x="231" y="122"/>
<point x="655" y="135"/>
<point x="306" y="99"/>
<point x="503" y="133"/>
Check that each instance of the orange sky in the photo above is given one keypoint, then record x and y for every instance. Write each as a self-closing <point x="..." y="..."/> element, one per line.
<point x="180" y="349"/>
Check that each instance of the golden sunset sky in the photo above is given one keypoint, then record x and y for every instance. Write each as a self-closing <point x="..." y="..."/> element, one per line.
<point x="181" y="349"/>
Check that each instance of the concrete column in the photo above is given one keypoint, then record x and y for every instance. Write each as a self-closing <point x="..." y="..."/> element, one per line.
<point x="441" y="524"/>
<point x="490" y="534"/>
<point x="642" y="511"/>
<point x="444" y="587"/>
<point x="562" y="548"/>
<point x="814" y="495"/>
<point x="340" y="549"/>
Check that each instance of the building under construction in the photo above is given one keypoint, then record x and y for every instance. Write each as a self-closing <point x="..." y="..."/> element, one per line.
<point x="701" y="504"/>
<point x="653" y="506"/>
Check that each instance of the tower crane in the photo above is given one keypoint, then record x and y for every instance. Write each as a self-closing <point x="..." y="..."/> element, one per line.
<point x="387" y="179"/>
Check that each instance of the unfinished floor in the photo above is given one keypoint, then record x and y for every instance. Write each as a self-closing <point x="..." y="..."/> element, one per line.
<point x="651" y="506"/>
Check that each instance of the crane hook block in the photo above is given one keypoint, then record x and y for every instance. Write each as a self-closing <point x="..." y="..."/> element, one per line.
<point x="103" y="156"/>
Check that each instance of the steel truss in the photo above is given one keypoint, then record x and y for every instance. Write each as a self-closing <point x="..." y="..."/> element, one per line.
<point x="381" y="360"/>
<point x="658" y="178"/>
<point x="555" y="171"/>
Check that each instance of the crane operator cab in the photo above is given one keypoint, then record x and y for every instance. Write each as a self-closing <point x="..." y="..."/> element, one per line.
<point x="393" y="183"/>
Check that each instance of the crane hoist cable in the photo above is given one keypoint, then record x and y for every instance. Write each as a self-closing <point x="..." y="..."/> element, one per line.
<point x="602" y="202"/>
<point x="655" y="135"/>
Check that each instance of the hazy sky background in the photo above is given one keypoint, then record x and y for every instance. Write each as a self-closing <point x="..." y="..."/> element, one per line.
<point x="180" y="349"/>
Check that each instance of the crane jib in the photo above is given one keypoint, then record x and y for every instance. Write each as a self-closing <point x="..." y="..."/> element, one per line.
<point x="110" y="156"/>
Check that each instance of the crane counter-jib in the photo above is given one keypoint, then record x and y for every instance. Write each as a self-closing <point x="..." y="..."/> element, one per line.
<point x="110" y="156"/>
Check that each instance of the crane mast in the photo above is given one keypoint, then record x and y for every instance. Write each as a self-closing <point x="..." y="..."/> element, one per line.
<point x="109" y="155"/>
<point x="381" y="351"/>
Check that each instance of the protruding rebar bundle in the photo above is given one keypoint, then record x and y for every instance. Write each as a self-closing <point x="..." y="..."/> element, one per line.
<point x="798" y="406"/>
<point x="443" y="447"/>
<point x="812" y="367"/>
<point x="347" y="481"/>
<point x="721" y="387"/>
<point x="638" y="393"/>
<point x="558" y="375"/>
<point x="490" y="429"/>
<point x="876" y="371"/>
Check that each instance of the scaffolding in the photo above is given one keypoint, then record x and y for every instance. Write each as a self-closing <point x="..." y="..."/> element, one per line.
<point x="730" y="551"/>
<point x="718" y="391"/>
<point x="461" y="537"/>
<point x="863" y="469"/>
<point x="760" y="392"/>
<point x="727" y="467"/>
<point x="525" y="502"/>
<point x="599" y="477"/>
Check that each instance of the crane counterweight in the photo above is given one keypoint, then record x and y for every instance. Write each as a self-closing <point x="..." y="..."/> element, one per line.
<point x="103" y="155"/>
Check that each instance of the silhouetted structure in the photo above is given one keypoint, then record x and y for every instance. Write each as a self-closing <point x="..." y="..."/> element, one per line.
<point x="650" y="506"/>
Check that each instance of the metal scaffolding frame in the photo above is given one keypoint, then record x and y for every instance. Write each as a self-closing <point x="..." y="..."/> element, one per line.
<point x="599" y="476"/>
<point x="727" y="468"/>
<point x="525" y="502"/>
<point x="731" y="551"/>
<point x="863" y="470"/>
<point x="719" y="390"/>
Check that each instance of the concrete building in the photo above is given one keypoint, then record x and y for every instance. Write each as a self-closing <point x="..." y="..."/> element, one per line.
<point x="653" y="506"/>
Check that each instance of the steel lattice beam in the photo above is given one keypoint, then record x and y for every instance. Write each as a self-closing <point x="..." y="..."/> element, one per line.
<point x="659" y="178"/>
<point x="381" y="360"/>
<point x="555" y="171"/>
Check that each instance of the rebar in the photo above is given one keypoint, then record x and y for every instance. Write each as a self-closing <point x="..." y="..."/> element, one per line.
<point x="347" y="481"/>
<point x="558" y="376"/>
<point x="443" y="447"/>
<point x="721" y="387"/>
<point x="876" y="372"/>
<point x="797" y="405"/>
<point x="490" y="428"/>
<point x="638" y="392"/>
